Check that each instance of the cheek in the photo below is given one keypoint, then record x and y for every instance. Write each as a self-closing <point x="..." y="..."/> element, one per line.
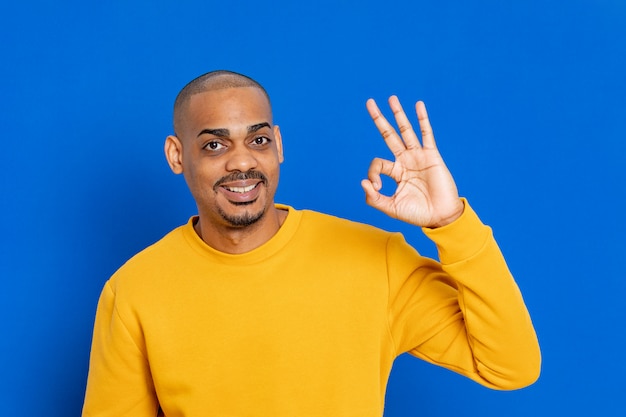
<point x="200" y="178"/>
<point x="271" y="165"/>
<point x="273" y="177"/>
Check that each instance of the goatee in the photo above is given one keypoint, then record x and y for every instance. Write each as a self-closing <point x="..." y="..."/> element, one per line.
<point x="242" y="220"/>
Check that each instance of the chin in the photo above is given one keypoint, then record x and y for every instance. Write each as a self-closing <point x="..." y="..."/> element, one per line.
<point x="244" y="219"/>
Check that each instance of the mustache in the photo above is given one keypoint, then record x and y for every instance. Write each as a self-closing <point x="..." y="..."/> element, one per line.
<point x="241" y="176"/>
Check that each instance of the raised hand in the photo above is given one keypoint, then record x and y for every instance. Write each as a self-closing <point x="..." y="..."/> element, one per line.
<point x="426" y="194"/>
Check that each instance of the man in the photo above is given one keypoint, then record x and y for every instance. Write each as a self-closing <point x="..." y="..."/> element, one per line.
<point x="256" y="309"/>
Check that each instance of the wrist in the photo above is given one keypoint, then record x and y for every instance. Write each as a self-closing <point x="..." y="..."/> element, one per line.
<point x="457" y="213"/>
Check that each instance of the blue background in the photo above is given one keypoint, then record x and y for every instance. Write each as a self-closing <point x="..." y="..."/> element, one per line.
<point x="528" y="103"/>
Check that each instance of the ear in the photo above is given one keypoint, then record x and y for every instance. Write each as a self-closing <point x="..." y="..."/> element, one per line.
<point x="174" y="154"/>
<point x="279" y="143"/>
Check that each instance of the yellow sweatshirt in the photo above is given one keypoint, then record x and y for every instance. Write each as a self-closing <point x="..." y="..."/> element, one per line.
<point x="306" y="325"/>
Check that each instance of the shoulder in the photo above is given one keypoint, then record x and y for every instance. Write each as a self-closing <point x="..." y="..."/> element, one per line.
<point x="356" y="244"/>
<point x="155" y="259"/>
<point x="341" y="231"/>
<point x="318" y="219"/>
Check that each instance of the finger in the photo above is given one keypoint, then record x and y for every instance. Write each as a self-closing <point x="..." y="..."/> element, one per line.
<point x="371" y="194"/>
<point x="428" y="138"/>
<point x="377" y="167"/>
<point x="404" y="126"/>
<point x="387" y="131"/>
<point x="374" y="198"/>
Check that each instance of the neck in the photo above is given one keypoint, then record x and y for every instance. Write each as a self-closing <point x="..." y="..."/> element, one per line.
<point x="236" y="240"/>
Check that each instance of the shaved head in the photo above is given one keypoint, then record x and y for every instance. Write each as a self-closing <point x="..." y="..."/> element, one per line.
<point x="214" y="80"/>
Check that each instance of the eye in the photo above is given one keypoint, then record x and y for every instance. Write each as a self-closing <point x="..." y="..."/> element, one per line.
<point x="261" y="140"/>
<point x="214" y="146"/>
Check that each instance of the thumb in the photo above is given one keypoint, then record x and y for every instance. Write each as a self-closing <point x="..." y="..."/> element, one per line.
<point x="373" y="197"/>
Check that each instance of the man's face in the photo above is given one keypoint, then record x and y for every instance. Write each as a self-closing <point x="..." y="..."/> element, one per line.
<point x="230" y="155"/>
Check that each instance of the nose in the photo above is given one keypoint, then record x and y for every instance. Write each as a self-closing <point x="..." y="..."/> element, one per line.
<point x="241" y="159"/>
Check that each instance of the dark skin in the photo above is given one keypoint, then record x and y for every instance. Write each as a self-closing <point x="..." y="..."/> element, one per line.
<point x="426" y="194"/>
<point x="215" y="142"/>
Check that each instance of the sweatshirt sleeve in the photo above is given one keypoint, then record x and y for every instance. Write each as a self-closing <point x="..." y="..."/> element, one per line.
<point x="119" y="382"/>
<point x="464" y="313"/>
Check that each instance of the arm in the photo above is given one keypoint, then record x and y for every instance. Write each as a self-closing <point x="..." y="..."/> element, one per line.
<point x="466" y="312"/>
<point x="119" y="381"/>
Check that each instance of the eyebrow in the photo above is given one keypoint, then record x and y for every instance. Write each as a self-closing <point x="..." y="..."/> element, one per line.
<point x="257" y="127"/>
<point x="223" y="133"/>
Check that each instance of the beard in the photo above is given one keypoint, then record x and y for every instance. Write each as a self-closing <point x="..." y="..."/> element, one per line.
<point x="242" y="220"/>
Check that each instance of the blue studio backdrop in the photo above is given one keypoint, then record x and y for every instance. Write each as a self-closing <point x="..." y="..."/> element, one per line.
<point x="527" y="100"/>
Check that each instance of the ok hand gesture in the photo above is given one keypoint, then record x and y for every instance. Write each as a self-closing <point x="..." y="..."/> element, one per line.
<point x="426" y="194"/>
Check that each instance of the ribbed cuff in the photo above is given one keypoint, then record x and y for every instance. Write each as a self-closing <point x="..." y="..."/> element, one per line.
<point x="461" y="239"/>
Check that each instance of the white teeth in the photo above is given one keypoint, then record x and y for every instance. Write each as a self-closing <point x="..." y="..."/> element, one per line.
<point x="241" y="189"/>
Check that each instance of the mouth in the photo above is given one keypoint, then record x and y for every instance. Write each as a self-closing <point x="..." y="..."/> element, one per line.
<point x="241" y="188"/>
<point x="241" y="192"/>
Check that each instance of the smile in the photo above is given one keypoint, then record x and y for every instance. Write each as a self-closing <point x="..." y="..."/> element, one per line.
<point x="241" y="190"/>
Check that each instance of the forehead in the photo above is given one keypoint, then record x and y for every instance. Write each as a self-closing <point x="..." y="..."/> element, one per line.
<point x="227" y="105"/>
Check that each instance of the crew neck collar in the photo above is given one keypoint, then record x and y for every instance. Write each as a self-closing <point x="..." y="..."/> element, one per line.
<point x="269" y="248"/>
